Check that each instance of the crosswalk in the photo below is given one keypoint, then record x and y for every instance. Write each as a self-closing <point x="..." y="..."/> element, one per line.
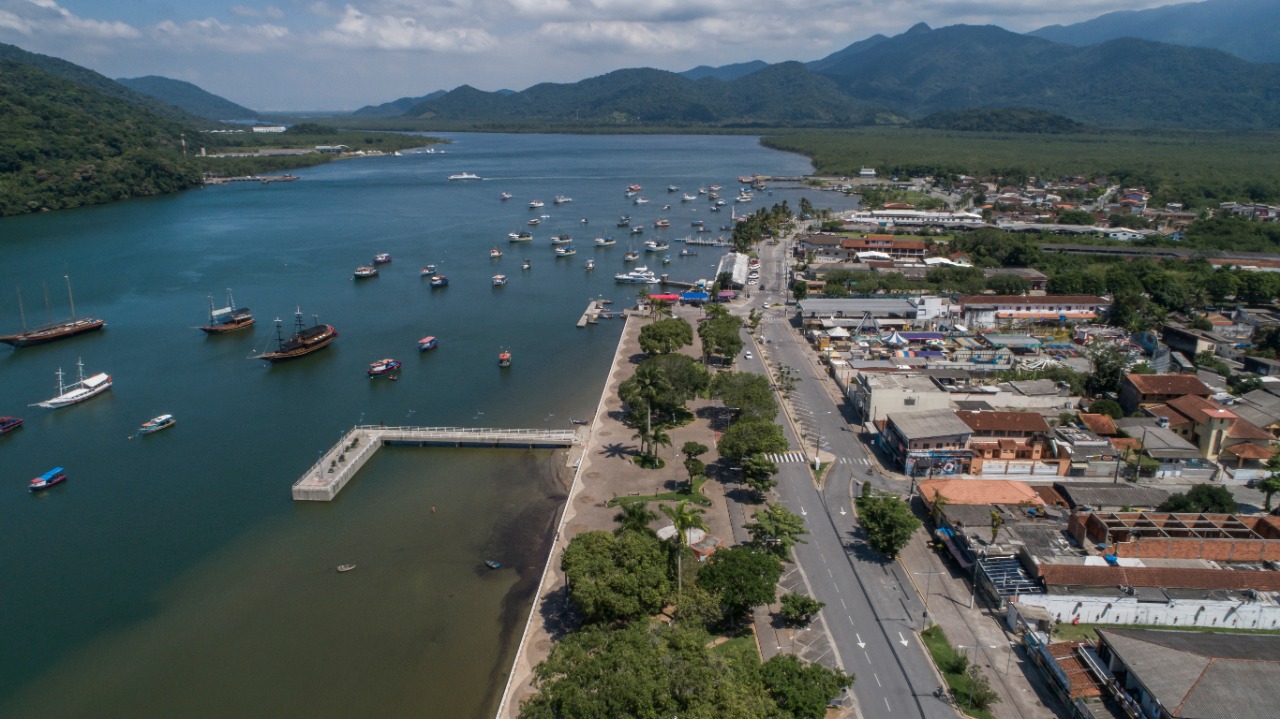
<point x="796" y="456"/>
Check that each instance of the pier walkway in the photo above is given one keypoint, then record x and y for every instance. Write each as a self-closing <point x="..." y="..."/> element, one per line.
<point x="327" y="477"/>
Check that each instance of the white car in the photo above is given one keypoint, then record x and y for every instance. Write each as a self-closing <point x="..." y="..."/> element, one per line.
<point x="747" y="356"/>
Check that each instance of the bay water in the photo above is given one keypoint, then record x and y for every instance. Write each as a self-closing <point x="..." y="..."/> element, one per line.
<point x="172" y="574"/>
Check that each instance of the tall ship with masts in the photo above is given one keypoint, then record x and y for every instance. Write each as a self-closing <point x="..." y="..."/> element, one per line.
<point x="54" y="331"/>
<point x="229" y="318"/>
<point x="80" y="390"/>
<point x="302" y="342"/>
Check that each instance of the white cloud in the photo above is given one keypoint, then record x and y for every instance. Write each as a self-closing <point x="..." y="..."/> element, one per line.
<point x="357" y="29"/>
<point x="270" y="11"/>
<point x="213" y="34"/>
<point x="46" y="17"/>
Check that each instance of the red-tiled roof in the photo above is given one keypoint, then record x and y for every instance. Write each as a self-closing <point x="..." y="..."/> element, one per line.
<point x="1244" y="429"/>
<point x="1050" y="495"/>
<point x="1100" y="424"/>
<point x="1123" y="443"/>
<point x="859" y="243"/>
<point x="1200" y="409"/>
<point x="1003" y="421"/>
<point x="1176" y="418"/>
<point x="1174" y="384"/>
<point x="1245" y="450"/>
<point x="1083" y="682"/>
<point x="1171" y="577"/>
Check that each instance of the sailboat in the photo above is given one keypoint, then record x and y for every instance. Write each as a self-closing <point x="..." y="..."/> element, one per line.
<point x="52" y="332"/>
<point x="229" y="318"/>
<point x="303" y="341"/>
<point x="79" y="391"/>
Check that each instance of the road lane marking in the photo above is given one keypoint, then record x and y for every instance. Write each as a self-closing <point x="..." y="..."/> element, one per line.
<point x="877" y="677"/>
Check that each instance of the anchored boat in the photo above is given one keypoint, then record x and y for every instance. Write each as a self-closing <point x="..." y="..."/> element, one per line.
<point x="57" y="475"/>
<point x="302" y="342"/>
<point x="383" y="367"/>
<point x="53" y="332"/>
<point x="79" y="391"/>
<point x="155" y="424"/>
<point x="229" y="318"/>
<point x="427" y="343"/>
<point x="504" y="359"/>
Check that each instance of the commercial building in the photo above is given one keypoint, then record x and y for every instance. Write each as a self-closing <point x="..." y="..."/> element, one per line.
<point x="996" y="310"/>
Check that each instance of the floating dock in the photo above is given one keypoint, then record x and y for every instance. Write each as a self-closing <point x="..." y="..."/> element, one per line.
<point x="592" y="313"/>
<point x="328" y="476"/>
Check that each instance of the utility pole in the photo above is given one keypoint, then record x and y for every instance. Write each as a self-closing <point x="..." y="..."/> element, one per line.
<point x="928" y="584"/>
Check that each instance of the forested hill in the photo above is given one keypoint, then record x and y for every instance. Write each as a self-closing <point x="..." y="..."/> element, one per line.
<point x="66" y="144"/>
<point x="191" y="98"/>
<point x="88" y="78"/>
<point x="785" y="94"/>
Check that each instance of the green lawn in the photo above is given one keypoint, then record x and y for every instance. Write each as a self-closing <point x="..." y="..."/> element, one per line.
<point x="944" y="655"/>
<point x="695" y="495"/>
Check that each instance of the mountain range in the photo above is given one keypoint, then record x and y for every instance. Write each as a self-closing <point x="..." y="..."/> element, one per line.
<point x="188" y="97"/>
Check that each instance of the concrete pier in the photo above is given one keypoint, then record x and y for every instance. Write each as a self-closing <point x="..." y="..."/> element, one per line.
<point x="327" y="477"/>
<point x="592" y="313"/>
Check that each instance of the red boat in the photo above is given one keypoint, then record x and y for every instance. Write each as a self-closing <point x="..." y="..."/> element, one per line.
<point x="383" y="367"/>
<point x="8" y="424"/>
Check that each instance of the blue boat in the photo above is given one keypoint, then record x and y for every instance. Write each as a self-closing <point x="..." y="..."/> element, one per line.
<point x="54" y="476"/>
<point x="156" y="424"/>
<point x="427" y="343"/>
<point x="439" y="281"/>
<point x="492" y="564"/>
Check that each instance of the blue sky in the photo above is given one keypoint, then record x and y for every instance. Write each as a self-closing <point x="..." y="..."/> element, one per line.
<point x="336" y="55"/>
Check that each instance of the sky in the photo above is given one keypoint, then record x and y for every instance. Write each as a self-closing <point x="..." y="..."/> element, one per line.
<point x="299" y="55"/>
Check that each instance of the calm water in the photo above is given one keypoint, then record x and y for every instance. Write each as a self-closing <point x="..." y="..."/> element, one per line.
<point x="172" y="575"/>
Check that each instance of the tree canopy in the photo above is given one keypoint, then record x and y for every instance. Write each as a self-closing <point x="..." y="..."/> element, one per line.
<point x="888" y="522"/>
<point x="751" y="436"/>
<point x="776" y="529"/>
<point x="744" y="576"/>
<point x="613" y="578"/>
<point x="749" y="392"/>
<point x="665" y="336"/>
<point x="1213" y="499"/>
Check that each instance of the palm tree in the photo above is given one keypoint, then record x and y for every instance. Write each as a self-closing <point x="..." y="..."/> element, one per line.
<point x="645" y="436"/>
<point x="658" y="437"/>
<point x="661" y="309"/>
<point x="684" y="517"/>
<point x="634" y="517"/>
<point x="649" y="384"/>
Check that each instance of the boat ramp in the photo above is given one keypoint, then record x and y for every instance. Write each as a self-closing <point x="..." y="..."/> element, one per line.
<point x="327" y="477"/>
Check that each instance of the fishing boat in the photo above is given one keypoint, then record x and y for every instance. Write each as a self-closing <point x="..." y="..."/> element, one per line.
<point x="155" y="424"/>
<point x="565" y="251"/>
<point x="624" y="221"/>
<point x="631" y="256"/>
<point x="427" y="270"/>
<point x="589" y="265"/>
<point x="427" y="343"/>
<point x="504" y="359"/>
<point x="439" y="281"/>
<point x="525" y="265"/>
<point x="80" y="390"/>
<point x="535" y="204"/>
<point x="562" y="199"/>
<point x="343" y="568"/>
<point x="381" y="258"/>
<point x="365" y="272"/>
<point x="505" y="196"/>
<point x="561" y="239"/>
<point x="637" y="230"/>
<point x="499" y="280"/>
<point x="637" y="276"/>
<point x="520" y="236"/>
<point x="495" y="253"/>
<point x="383" y="367"/>
<point x="52" y="332"/>
<point x="605" y="242"/>
<point x="492" y="564"/>
<point x="302" y="342"/>
<point x="229" y="318"/>
<point x="655" y="246"/>
<point x="464" y="176"/>
<point x="8" y="424"/>
<point x="57" y="475"/>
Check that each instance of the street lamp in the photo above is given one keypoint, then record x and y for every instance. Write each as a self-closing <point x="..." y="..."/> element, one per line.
<point x="973" y="646"/>
<point x="928" y="583"/>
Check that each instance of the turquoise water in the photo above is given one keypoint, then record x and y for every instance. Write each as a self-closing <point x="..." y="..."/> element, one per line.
<point x="172" y="575"/>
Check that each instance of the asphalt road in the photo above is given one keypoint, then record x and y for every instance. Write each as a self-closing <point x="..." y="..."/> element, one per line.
<point x="872" y="610"/>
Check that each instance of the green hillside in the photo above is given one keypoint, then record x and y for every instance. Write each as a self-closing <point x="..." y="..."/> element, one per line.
<point x="1003" y="119"/>
<point x="186" y="96"/>
<point x="63" y="144"/>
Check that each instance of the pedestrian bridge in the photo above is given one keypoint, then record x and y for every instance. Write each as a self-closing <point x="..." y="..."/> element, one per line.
<point x="336" y="467"/>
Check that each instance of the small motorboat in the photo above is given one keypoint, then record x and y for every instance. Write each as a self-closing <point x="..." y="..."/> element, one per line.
<point x="495" y="253"/>
<point x="562" y="199"/>
<point x="365" y="272"/>
<point x="427" y="343"/>
<point x="561" y="239"/>
<point x="520" y="236"/>
<point x="504" y="359"/>
<point x="524" y="265"/>
<point x="633" y="188"/>
<point x="565" y="251"/>
<point x="624" y="221"/>
<point x="583" y="220"/>
<point x="641" y="201"/>
<point x="534" y="221"/>
<point x="155" y="424"/>
<point x="499" y="280"/>
<point x="673" y="188"/>
<point x="505" y="196"/>
<point x="662" y="223"/>
<point x="428" y="270"/>
<point x="589" y="265"/>
<point x="492" y="564"/>
<point x="686" y="252"/>
<point x="381" y="258"/>
<point x="8" y="424"/>
<point x="383" y="367"/>
<point x="579" y="421"/>
<point x="345" y="568"/>
<point x="605" y="242"/>
<point x="439" y="281"/>
<point x="535" y="204"/>
<point x="637" y="230"/>
<point x="57" y="475"/>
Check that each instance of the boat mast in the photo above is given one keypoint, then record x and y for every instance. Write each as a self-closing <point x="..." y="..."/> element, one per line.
<point x="297" y="317"/>
<point x="80" y="365"/>
<point x="22" y="312"/>
<point x="70" y="299"/>
<point x="210" y="309"/>
<point x="231" y="301"/>
<point x="279" y="335"/>
<point x="59" y="373"/>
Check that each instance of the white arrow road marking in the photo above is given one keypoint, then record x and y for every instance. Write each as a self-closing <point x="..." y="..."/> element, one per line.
<point x="902" y="639"/>
<point x="803" y="513"/>
<point x="842" y="512"/>
<point x="861" y="644"/>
